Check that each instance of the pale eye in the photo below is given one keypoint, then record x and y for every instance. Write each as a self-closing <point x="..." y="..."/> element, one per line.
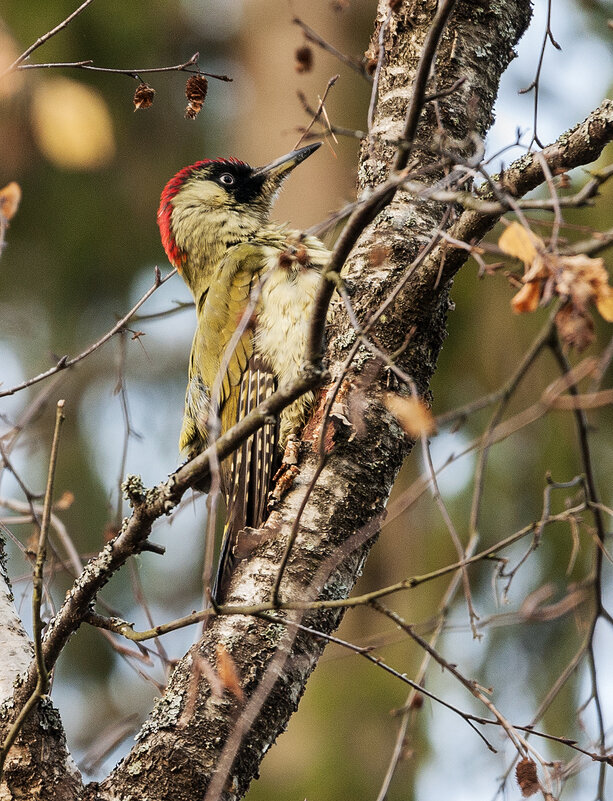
<point x="226" y="178"/>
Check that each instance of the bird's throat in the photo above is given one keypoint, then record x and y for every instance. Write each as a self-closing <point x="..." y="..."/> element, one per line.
<point x="204" y="238"/>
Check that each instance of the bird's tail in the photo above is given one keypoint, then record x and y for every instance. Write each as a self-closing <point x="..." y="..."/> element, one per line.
<point x="248" y="479"/>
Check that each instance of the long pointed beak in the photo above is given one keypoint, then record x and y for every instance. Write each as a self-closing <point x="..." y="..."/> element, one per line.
<point x="279" y="168"/>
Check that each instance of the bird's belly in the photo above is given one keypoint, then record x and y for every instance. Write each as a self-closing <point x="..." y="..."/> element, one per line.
<point x="283" y="319"/>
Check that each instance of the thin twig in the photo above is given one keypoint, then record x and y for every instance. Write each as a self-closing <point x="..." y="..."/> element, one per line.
<point x="314" y="37"/>
<point x="45" y="38"/>
<point x="374" y="92"/>
<point x="418" y="89"/>
<point x="472" y="614"/>
<point x="68" y="545"/>
<point x="443" y="611"/>
<point x="537" y="78"/>
<point x="581" y="423"/>
<point x="125" y="629"/>
<point x="64" y="363"/>
<point x="131" y="73"/>
<point x="505" y="395"/>
<point x="320" y="110"/>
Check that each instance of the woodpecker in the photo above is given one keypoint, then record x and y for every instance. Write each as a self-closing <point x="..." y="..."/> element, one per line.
<point x="254" y="285"/>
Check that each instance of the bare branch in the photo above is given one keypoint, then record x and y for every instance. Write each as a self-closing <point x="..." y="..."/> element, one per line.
<point x="45" y="38"/>
<point x="65" y="362"/>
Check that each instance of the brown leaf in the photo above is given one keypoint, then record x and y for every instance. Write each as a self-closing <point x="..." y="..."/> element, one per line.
<point x="575" y="329"/>
<point x="228" y="673"/>
<point x="520" y="242"/>
<point x="65" y="501"/>
<point x="143" y="96"/>
<point x="581" y="278"/>
<point x="10" y="197"/>
<point x="195" y="90"/>
<point x="527" y="299"/>
<point x="527" y="778"/>
<point x="304" y="59"/>
<point x="413" y="415"/>
<point x="539" y="268"/>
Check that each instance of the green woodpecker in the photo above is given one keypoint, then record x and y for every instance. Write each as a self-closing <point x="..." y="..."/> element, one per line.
<point x="254" y="284"/>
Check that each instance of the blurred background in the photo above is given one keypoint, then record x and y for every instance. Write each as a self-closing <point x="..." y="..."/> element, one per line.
<point x="82" y="250"/>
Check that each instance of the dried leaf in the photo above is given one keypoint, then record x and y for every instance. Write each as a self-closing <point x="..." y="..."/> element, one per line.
<point x="527" y="778"/>
<point x="539" y="268"/>
<point x="228" y="673"/>
<point x="195" y="90"/>
<point x="581" y="278"/>
<point x="412" y="414"/>
<point x="10" y="197"/>
<point x="604" y="304"/>
<point x="575" y="329"/>
<point x="143" y="96"/>
<point x="65" y="501"/>
<point x="304" y="59"/>
<point x="519" y="242"/>
<point x="527" y="299"/>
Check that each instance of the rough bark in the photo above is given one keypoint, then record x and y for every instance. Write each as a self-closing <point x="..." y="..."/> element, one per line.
<point x="39" y="765"/>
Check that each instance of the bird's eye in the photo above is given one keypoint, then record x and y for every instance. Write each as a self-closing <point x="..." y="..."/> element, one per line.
<point x="226" y="178"/>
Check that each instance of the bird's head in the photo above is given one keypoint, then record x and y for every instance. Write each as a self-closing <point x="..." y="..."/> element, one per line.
<point x="217" y="202"/>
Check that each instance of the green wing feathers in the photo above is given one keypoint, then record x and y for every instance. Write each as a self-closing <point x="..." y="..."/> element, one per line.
<point x="251" y="336"/>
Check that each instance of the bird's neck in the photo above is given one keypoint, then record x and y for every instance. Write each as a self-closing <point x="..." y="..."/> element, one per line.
<point x="205" y="239"/>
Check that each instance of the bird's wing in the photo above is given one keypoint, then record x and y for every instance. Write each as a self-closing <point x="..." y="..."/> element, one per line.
<point x="244" y="381"/>
<point x="248" y="476"/>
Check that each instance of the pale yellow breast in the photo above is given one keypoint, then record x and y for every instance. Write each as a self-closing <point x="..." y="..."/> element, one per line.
<point x="284" y="317"/>
<point x="284" y="313"/>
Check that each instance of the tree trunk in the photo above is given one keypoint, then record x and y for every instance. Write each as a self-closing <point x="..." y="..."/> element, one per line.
<point x="192" y="735"/>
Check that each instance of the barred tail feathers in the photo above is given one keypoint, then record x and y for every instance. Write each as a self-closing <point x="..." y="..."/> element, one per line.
<point x="248" y="478"/>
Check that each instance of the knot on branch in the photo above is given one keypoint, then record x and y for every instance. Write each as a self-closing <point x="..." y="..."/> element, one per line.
<point x="315" y="373"/>
<point x="169" y="500"/>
